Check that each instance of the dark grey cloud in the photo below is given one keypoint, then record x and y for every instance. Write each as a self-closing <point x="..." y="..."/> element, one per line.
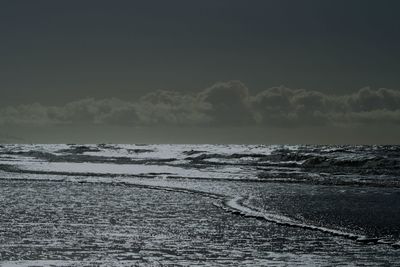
<point x="171" y="108"/>
<point x="227" y="103"/>
<point x="382" y="99"/>
<point x="298" y="107"/>
<point x="222" y="104"/>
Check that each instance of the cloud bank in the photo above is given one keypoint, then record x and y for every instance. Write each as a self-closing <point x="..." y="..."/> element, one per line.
<point x="222" y="104"/>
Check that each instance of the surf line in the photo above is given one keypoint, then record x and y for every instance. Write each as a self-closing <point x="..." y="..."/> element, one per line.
<point x="235" y="206"/>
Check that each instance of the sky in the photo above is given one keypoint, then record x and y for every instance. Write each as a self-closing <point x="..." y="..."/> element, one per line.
<point x="225" y="71"/>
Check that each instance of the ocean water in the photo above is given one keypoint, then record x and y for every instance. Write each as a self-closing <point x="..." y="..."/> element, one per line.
<point x="239" y="205"/>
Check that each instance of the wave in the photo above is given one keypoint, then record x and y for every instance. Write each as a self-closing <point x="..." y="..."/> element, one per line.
<point x="229" y="173"/>
<point x="235" y="206"/>
<point x="335" y="160"/>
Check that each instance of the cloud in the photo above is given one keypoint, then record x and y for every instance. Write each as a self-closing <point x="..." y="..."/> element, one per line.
<point x="227" y="103"/>
<point x="84" y="111"/>
<point x="366" y="100"/>
<point x="171" y="108"/>
<point x="222" y="104"/>
<point x="25" y="114"/>
<point x="294" y="107"/>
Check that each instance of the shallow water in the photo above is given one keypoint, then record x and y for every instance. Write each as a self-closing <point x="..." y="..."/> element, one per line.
<point x="199" y="204"/>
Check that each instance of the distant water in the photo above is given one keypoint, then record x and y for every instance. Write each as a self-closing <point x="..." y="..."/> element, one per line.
<point x="376" y="166"/>
<point x="351" y="192"/>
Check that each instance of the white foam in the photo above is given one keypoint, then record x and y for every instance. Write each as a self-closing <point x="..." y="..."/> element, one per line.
<point x="227" y="172"/>
<point x="235" y="204"/>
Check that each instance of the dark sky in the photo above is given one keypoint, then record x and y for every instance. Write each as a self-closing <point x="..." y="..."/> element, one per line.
<point x="56" y="52"/>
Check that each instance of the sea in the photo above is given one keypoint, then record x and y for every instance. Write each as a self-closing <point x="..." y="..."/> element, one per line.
<point x="199" y="205"/>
